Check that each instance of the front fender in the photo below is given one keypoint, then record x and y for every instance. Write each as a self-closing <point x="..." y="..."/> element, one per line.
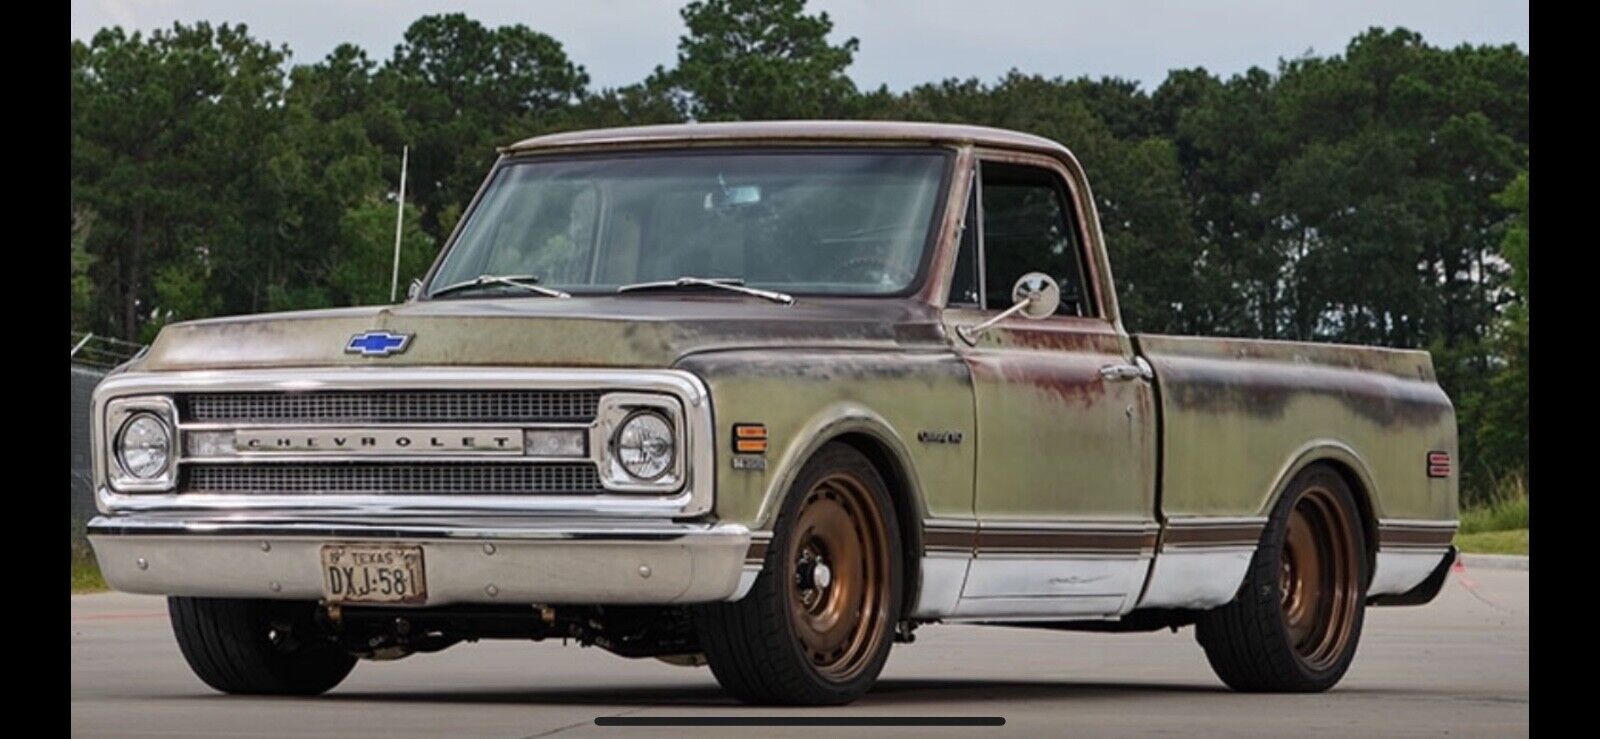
<point x="808" y="397"/>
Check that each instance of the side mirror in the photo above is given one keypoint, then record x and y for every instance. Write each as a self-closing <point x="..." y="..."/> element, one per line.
<point x="1038" y="293"/>
<point x="413" y="290"/>
<point x="1036" y="296"/>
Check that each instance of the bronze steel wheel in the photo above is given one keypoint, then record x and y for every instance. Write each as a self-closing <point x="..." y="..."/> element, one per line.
<point x="1297" y="619"/>
<point x="1317" y="578"/>
<point x="818" y="624"/>
<point x="839" y="592"/>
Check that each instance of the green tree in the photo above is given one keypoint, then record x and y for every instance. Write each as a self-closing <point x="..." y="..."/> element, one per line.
<point x="83" y="291"/>
<point x="1496" y="421"/>
<point x="463" y="90"/>
<point x="166" y="134"/>
<point x="758" y="59"/>
<point x="359" y="272"/>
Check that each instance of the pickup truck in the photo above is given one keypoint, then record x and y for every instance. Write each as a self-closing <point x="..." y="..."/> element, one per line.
<point x="765" y="397"/>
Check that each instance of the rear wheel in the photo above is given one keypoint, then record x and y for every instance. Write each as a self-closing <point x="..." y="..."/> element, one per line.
<point x="1297" y="619"/>
<point x="817" y="626"/>
<point x="257" y="647"/>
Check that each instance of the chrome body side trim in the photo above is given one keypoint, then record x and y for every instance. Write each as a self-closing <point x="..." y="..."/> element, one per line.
<point x="1032" y="569"/>
<point x="1409" y="550"/>
<point x="1202" y="561"/>
<point x="482" y="560"/>
<point x="692" y="498"/>
<point x="1415" y="534"/>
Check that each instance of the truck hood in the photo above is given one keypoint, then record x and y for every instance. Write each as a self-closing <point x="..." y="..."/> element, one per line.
<point x="599" y="331"/>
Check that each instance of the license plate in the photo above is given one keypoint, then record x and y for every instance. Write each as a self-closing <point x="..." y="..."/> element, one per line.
<point x="373" y="573"/>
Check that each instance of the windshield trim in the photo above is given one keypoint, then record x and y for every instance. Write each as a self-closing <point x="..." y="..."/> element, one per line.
<point x="509" y="160"/>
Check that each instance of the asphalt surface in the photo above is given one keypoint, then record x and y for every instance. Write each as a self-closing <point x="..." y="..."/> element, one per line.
<point x="1457" y="667"/>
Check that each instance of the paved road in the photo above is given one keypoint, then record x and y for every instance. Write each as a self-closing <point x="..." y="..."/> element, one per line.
<point x="1458" y="666"/>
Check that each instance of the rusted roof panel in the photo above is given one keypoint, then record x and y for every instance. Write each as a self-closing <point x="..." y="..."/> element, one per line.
<point x="794" y="131"/>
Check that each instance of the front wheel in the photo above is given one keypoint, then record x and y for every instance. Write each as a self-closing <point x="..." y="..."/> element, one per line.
<point x="1295" y="623"/>
<point x="257" y="647"/>
<point x="817" y="626"/>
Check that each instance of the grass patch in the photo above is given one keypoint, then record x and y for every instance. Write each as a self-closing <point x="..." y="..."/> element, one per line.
<point x="1506" y="510"/>
<point x="1514" y="541"/>
<point x="85" y="570"/>
<point x="86" y="576"/>
<point x="1500" y="525"/>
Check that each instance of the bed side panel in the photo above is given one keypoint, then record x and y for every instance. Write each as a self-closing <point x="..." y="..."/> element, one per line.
<point x="1236" y="415"/>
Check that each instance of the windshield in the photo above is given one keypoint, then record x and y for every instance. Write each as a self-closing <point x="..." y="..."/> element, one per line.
<point x="853" y="222"/>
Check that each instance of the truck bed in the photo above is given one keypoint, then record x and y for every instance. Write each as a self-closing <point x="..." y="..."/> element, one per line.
<point x="1238" y="414"/>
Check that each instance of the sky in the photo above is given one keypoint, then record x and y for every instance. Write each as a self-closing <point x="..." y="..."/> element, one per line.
<point x="903" y="42"/>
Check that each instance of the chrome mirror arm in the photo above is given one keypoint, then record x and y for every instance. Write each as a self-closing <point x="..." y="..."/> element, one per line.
<point x="971" y="334"/>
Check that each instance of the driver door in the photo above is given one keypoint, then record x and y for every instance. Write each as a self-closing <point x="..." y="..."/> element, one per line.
<point x="1066" y="457"/>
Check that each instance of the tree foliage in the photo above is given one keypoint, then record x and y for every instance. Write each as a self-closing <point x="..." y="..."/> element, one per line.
<point x="1374" y="196"/>
<point x="758" y="59"/>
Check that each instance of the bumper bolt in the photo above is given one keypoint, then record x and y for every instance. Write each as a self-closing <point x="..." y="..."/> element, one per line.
<point x="275" y="586"/>
<point x="644" y="571"/>
<point x="492" y="591"/>
<point x="141" y="563"/>
<point x="266" y="546"/>
<point x="488" y="549"/>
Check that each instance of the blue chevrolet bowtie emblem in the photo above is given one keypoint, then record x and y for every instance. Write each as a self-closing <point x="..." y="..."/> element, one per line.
<point x="377" y="343"/>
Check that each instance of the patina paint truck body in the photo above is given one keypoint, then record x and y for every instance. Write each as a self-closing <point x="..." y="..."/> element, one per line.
<point x="1041" y="469"/>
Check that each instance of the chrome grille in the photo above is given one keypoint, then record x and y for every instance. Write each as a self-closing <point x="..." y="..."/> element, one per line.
<point x="392" y="406"/>
<point x="443" y="478"/>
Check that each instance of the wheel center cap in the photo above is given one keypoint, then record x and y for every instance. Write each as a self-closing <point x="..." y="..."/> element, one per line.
<point x="821" y="575"/>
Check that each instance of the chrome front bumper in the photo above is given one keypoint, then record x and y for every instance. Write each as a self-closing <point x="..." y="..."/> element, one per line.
<point x="466" y="560"/>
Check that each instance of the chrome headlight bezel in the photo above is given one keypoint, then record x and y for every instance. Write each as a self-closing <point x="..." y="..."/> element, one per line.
<point x="119" y="414"/>
<point x="616" y="410"/>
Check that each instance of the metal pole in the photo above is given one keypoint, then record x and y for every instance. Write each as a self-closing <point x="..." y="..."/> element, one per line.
<point x="79" y="345"/>
<point x="399" y="223"/>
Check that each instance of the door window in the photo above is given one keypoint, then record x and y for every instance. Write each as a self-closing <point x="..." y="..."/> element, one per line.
<point x="1027" y="226"/>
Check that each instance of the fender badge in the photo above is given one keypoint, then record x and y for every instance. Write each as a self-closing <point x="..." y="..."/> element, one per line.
<point x="939" y="437"/>
<point x="749" y="462"/>
<point x="377" y="344"/>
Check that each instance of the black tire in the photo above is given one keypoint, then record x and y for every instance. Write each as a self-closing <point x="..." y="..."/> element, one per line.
<point x="257" y="647"/>
<point x="757" y="647"/>
<point x="1279" y="634"/>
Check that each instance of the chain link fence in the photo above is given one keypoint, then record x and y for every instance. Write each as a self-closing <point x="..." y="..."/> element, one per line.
<point x="92" y="357"/>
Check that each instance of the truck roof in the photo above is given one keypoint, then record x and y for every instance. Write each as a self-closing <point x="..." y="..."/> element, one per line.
<point x="790" y="131"/>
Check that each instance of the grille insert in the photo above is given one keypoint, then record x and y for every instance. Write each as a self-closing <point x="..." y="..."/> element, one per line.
<point x="444" y="478"/>
<point x="393" y="406"/>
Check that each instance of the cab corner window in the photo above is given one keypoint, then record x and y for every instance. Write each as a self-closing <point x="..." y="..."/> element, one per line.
<point x="1028" y="226"/>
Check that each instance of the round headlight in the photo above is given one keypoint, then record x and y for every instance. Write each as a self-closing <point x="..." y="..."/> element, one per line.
<point x="143" y="446"/>
<point x="645" y="445"/>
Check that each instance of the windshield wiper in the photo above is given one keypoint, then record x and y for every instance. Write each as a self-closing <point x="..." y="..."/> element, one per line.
<point x="526" y="282"/>
<point x="732" y="284"/>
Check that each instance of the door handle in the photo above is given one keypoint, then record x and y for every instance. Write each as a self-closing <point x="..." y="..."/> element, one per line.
<point x="1126" y="372"/>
